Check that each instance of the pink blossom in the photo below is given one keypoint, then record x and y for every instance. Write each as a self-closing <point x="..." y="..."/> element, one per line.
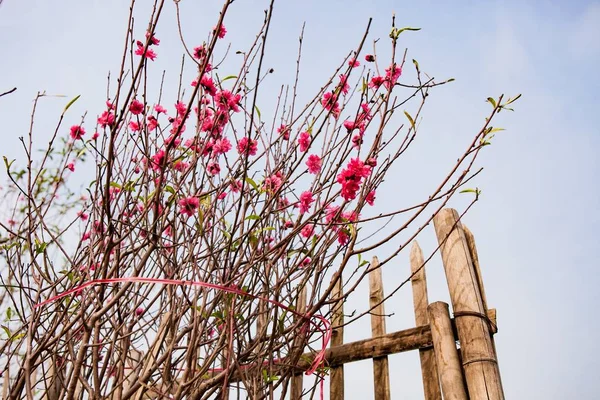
<point x="199" y="52"/>
<point x="314" y="163"/>
<point x="160" y="109"/>
<point x="369" y="58"/>
<point x="86" y="236"/>
<point x="376" y="82"/>
<point x="71" y="166"/>
<point x="283" y="202"/>
<point x="284" y="132"/>
<point x="83" y="216"/>
<point x="181" y="108"/>
<point x="158" y="160"/>
<point x="106" y="119"/>
<point x="304" y="141"/>
<point x="357" y="140"/>
<point x="353" y="62"/>
<point x="330" y="103"/>
<point x="235" y="186"/>
<point x="136" y="107"/>
<point x="152" y="123"/>
<point x="227" y="101"/>
<point x="288" y="224"/>
<point x="370" y="199"/>
<point x="134" y="126"/>
<point x="247" y="146"/>
<point x="221" y="146"/>
<point x="95" y="136"/>
<point x="351" y="177"/>
<point x="307" y="231"/>
<point x="221" y="31"/>
<point x="392" y="73"/>
<point x="344" y="87"/>
<point x="188" y="205"/>
<point x="208" y="85"/>
<point x="305" y="262"/>
<point x="222" y="195"/>
<point x="273" y="182"/>
<point x="349" y="125"/>
<point x="77" y="132"/>
<point x="110" y="105"/>
<point x="371" y="162"/>
<point x="306" y="200"/>
<point x="139" y="311"/>
<point x="180" y="165"/>
<point x="148" y="53"/>
<point x="213" y="168"/>
<point x="153" y="39"/>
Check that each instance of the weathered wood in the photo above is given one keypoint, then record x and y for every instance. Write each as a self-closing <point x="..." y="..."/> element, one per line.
<point x="473" y="252"/>
<point x="381" y="373"/>
<point x="336" y="384"/>
<point x="446" y="356"/>
<point x="478" y="355"/>
<point x="297" y="380"/>
<point x="418" y="280"/>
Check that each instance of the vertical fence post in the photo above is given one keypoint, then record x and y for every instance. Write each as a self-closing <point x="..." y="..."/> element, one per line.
<point x="431" y="384"/>
<point x="381" y="373"/>
<point x="336" y="386"/>
<point x="478" y="356"/>
<point x="446" y="356"/>
<point x="297" y="380"/>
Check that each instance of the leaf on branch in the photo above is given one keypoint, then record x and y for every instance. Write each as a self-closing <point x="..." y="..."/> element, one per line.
<point x="476" y="191"/>
<point x="257" y="111"/>
<point x="412" y="121"/>
<point x="69" y="104"/>
<point x="492" y="102"/>
<point x="8" y="164"/>
<point x="251" y="182"/>
<point x="228" y="78"/>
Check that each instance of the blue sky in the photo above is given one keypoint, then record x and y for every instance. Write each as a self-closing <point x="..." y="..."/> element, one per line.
<point x="536" y="223"/>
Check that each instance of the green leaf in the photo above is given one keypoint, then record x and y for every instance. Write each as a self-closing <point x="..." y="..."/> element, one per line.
<point x="412" y="121"/>
<point x="408" y="28"/>
<point x="416" y="64"/>
<point x="40" y="247"/>
<point x="115" y="185"/>
<point x="251" y="182"/>
<point x="396" y="32"/>
<point x="8" y="164"/>
<point x="476" y="191"/>
<point x="492" y="102"/>
<point x="257" y="111"/>
<point x="252" y="217"/>
<point x="8" y="313"/>
<point x="69" y="104"/>
<point x="7" y="331"/>
<point x="509" y="101"/>
<point x="228" y="78"/>
<point x="170" y="189"/>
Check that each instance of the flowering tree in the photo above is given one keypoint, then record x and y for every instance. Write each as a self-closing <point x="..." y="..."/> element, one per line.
<point x="177" y="272"/>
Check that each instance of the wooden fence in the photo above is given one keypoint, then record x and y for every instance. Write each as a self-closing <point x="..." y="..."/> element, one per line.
<point x="468" y="372"/>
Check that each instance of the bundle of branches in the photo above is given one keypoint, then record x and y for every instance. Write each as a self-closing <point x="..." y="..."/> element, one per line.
<point x="203" y="254"/>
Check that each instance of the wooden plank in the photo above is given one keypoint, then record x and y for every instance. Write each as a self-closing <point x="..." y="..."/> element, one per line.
<point x="418" y="280"/>
<point x="297" y="380"/>
<point x="473" y="252"/>
<point x="446" y="356"/>
<point x="478" y="355"/>
<point x="381" y="372"/>
<point x="336" y="385"/>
